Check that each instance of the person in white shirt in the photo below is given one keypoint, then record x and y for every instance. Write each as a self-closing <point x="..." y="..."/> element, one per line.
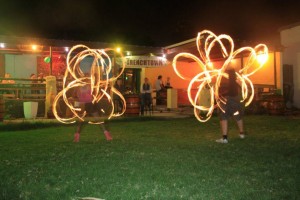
<point x="159" y="84"/>
<point x="145" y="95"/>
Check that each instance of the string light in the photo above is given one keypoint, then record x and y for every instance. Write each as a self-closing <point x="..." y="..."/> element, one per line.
<point x="98" y="81"/>
<point x="206" y="40"/>
<point x="34" y="47"/>
<point x="262" y="58"/>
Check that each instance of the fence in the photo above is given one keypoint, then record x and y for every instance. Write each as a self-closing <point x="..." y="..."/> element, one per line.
<point x="23" y="90"/>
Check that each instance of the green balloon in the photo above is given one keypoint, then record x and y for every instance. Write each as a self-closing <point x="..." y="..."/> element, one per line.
<point x="47" y="59"/>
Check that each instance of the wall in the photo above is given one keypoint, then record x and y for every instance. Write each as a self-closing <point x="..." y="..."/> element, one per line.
<point x="2" y="65"/>
<point x="20" y="66"/>
<point x="58" y="65"/>
<point x="297" y="80"/>
<point x="187" y="68"/>
<point x="290" y="39"/>
<point x="264" y="76"/>
<point x="290" y="36"/>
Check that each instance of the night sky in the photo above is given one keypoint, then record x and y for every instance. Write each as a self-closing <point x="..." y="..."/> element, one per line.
<point x="151" y="23"/>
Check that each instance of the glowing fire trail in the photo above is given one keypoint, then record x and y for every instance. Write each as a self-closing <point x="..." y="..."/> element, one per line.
<point x="98" y="80"/>
<point x="206" y="40"/>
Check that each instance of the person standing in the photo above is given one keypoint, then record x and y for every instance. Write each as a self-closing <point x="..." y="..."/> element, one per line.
<point x="40" y="82"/>
<point x="117" y="100"/>
<point x="145" y="95"/>
<point x="33" y="83"/>
<point x="85" y="99"/>
<point x="7" y="81"/>
<point x="168" y="83"/>
<point x="159" y="86"/>
<point x="233" y="107"/>
<point x="41" y="77"/>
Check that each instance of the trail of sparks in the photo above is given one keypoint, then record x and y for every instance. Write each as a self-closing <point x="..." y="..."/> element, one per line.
<point x="98" y="80"/>
<point x="212" y="77"/>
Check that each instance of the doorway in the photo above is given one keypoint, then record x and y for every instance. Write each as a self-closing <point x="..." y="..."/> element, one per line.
<point x="288" y="84"/>
<point x="131" y="80"/>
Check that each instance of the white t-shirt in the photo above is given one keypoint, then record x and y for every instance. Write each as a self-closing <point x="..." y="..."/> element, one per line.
<point x="158" y="84"/>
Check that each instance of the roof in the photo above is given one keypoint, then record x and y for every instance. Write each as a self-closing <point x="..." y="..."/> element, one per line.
<point x="289" y="26"/>
<point x="23" y="44"/>
<point x="189" y="46"/>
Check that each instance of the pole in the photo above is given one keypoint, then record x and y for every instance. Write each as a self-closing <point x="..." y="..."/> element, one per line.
<point x="275" y="70"/>
<point x="50" y="61"/>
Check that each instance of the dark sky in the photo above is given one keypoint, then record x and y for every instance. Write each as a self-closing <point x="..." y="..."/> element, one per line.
<point x="154" y="23"/>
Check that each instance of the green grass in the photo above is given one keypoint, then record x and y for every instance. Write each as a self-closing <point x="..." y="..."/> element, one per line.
<point x="153" y="159"/>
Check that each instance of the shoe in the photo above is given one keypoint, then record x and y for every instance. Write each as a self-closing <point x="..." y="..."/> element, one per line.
<point x="76" y="137"/>
<point x="242" y="136"/>
<point x="223" y="141"/>
<point x="107" y="135"/>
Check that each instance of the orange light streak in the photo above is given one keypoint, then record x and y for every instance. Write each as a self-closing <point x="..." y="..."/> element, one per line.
<point x="98" y="81"/>
<point x="206" y="41"/>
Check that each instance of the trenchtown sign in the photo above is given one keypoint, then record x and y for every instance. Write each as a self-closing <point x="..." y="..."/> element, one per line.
<point x="144" y="61"/>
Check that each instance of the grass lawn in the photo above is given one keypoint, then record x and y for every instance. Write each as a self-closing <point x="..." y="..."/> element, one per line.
<point x="152" y="159"/>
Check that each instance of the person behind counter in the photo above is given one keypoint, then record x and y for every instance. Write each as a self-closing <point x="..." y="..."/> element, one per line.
<point x="7" y="75"/>
<point x="145" y="95"/>
<point x="159" y="86"/>
<point x="168" y="83"/>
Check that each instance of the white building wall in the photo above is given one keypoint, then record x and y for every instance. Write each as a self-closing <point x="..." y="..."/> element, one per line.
<point x="297" y="80"/>
<point x="21" y="66"/>
<point x="290" y="39"/>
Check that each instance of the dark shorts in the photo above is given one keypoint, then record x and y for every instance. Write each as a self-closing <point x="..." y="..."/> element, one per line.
<point x="102" y="108"/>
<point x="91" y="108"/>
<point x="233" y="108"/>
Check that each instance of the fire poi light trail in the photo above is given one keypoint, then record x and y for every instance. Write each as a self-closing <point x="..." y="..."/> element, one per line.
<point x="206" y="40"/>
<point x="98" y="80"/>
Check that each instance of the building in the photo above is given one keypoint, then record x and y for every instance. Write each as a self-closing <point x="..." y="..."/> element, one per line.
<point x="266" y="80"/>
<point x="22" y="56"/>
<point x="290" y="40"/>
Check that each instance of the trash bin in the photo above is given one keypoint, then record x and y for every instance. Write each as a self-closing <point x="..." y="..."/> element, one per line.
<point x="132" y="104"/>
<point x="30" y="110"/>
